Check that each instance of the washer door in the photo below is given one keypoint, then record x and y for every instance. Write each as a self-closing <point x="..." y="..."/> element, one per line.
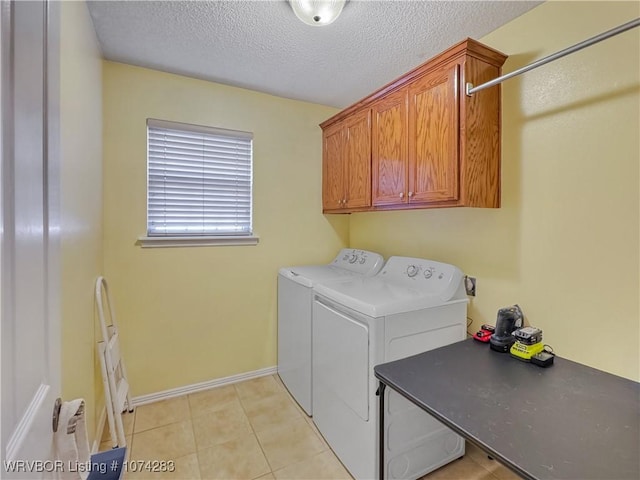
<point x="341" y="359"/>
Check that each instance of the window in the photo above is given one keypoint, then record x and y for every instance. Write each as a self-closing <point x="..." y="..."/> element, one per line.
<point x="199" y="184"/>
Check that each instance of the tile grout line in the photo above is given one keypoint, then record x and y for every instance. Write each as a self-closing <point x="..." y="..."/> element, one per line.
<point x="307" y="418"/>
<point x="308" y="421"/>
<point x="300" y="415"/>
<point x="255" y="433"/>
<point x="164" y="424"/>
<point x="193" y="432"/>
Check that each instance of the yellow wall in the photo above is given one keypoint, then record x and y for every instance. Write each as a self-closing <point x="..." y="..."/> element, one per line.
<point x="81" y="204"/>
<point x="194" y="314"/>
<point x="565" y="244"/>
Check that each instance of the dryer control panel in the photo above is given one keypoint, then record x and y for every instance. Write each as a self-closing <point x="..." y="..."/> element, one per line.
<point x="440" y="279"/>
<point x="360" y="261"/>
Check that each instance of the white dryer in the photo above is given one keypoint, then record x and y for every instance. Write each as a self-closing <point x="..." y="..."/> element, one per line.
<point x="411" y="306"/>
<point x="295" y="299"/>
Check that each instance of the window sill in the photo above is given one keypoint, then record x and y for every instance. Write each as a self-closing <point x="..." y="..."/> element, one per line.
<point x="164" y="242"/>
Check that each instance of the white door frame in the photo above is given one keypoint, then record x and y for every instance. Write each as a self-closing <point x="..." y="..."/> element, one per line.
<point x="30" y="340"/>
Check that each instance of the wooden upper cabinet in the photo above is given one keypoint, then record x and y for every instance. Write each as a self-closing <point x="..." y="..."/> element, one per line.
<point x="480" y="129"/>
<point x="332" y="168"/>
<point x="346" y="172"/>
<point x="389" y="149"/>
<point x="420" y="141"/>
<point x="358" y="160"/>
<point x="433" y="137"/>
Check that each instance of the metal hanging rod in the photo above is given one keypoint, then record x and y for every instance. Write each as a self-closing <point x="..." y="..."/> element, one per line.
<point x="470" y="89"/>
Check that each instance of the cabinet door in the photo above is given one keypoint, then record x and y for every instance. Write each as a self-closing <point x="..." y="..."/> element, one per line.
<point x="433" y="137"/>
<point x="358" y="160"/>
<point x="333" y="168"/>
<point x="389" y="149"/>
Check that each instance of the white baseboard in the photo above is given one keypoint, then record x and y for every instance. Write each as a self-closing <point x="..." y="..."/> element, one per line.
<point x="199" y="387"/>
<point x="99" y="430"/>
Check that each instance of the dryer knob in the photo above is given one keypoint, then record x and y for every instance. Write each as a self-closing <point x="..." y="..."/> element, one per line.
<point x="428" y="273"/>
<point x="412" y="271"/>
<point x="353" y="258"/>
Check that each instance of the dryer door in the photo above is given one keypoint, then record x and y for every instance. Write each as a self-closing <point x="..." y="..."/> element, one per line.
<point x="341" y="359"/>
<point x="343" y="407"/>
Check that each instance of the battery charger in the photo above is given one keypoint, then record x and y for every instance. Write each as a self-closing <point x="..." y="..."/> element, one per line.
<point x="543" y="359"/>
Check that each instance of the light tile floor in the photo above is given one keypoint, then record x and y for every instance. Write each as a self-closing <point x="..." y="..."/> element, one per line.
<point x="251" y="430"/>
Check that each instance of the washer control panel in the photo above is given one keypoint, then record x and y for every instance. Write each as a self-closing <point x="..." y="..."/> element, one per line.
<point x="361" y="261"/>
<point x="427" y="270"/>
<point x="440" y="278"/>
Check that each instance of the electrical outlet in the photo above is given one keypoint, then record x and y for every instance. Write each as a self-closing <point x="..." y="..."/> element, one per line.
<point x="470" y="285"/>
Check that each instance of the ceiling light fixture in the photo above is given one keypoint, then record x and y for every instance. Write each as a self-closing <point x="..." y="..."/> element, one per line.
<point x="317" y="12"/>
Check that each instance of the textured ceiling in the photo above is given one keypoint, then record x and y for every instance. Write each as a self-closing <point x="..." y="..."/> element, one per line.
<point x="261" y="45"/>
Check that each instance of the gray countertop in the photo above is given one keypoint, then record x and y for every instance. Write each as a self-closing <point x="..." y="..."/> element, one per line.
<point x="567" y="421"/>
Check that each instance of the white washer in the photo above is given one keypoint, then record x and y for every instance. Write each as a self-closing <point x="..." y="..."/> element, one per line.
<point x="411" y="306"/>
<point x="295" y="300"/>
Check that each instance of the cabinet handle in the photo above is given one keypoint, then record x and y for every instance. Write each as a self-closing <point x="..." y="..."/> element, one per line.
<point x="410" y="194"/>
<point x="401" y="194"/>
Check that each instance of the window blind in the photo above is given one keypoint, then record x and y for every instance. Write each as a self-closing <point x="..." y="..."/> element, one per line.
<point x="199" y="180"/>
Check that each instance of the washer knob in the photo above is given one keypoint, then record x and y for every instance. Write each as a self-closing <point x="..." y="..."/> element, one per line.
<point x="428" y="273"/>
<point x="412" y="271"/>
<point x="353" y="258"/>
<point x="362" y="260"/>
